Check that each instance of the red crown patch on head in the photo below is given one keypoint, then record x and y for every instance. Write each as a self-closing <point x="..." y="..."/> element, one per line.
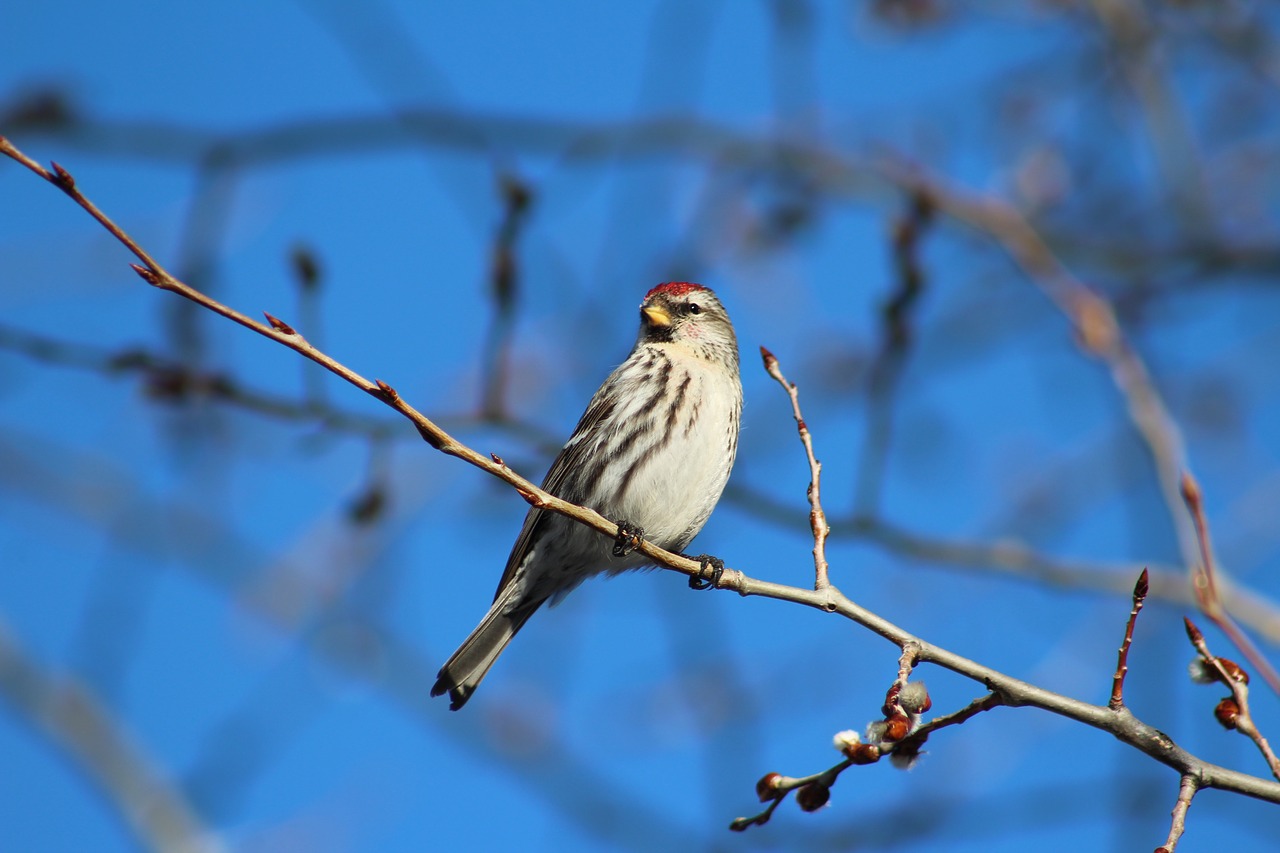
<point x="674" y="288"/>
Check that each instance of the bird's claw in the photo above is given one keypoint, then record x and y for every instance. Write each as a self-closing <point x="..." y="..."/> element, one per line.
<point x="710" y="570"/>
<point x="628" y="539"/>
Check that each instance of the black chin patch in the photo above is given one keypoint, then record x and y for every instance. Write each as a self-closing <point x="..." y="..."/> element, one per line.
<point x="658" y="334"/>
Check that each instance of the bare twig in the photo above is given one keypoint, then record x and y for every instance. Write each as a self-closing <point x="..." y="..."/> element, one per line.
<point x="1186" y="791"/>
<point x="1122" y="662"/>
<point x="1205" y="584"/>
<point x="955" y="718"/>
<point x="817" y="518"/>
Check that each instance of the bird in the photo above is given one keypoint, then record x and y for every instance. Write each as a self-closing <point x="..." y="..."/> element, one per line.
<point x="652" y="452"/>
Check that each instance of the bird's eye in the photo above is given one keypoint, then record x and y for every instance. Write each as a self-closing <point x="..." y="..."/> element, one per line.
<point x="695" y="308"/>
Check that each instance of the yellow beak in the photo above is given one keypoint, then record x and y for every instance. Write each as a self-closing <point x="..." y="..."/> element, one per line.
<point x="656" y="316"/>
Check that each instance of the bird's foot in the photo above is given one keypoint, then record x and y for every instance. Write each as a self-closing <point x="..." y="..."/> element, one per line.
<point x="710" y="570"/>
<point x="628" y="539"/>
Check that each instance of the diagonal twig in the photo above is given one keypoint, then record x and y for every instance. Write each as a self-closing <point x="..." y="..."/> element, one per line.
<point x="1140" y="590"/>
<point x="817" y="518"/>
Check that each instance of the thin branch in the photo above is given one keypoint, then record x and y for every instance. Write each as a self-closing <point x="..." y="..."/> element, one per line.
<point x="955" y="718"/>
<point x="1205" y="584"/>
<point x="1122" y="662"/>
<point x="1186" y="791"/>
<point x="817" y="518"/>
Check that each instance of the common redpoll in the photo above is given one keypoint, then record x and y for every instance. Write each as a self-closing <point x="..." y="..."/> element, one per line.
<point x="652" y="452"/>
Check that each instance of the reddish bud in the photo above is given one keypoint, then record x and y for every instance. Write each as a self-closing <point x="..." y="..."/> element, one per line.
<point x="896" y="728"/>
<point x="890" y="705"/>
<point x="1193" y="633"/>
<point x="767" y="787"/>
<point x="498" y="459"/>
<point x="279" y="325"/>
<point x="864" y="753"/>
<point x="387" y="392"/>
<point x="813" y="796"/>
<point x="1227" y="712"/>
<point x="62" y="177"/>
<point x="1233" y="671"/>
<point x="146" y="275"/>
<point x="770" y="361"/>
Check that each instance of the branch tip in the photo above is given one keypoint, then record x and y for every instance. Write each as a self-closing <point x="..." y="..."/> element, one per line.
<point x="1193" y="633"/>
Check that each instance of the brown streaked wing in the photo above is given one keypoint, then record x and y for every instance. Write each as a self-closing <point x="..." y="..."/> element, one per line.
<point x="569" y="458"/>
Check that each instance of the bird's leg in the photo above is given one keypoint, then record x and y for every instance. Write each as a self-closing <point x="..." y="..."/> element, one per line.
<point x="710" y="570"/>
<point x="627" y="540"/>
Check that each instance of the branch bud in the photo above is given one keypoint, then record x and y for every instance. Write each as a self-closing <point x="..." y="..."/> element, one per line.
<point x="897" y="727"/>
<point x="146" y="275"/>
<point x="813" y="796"/>
<point x="62" y="178"/>
<point x="864" y="753"/>
<point x="767" y="787"/>
<point x="279" y="325"/>
<point x="1227" y="713"/>
<point x="1233" y="670"/>
<point x="846" y="741"/>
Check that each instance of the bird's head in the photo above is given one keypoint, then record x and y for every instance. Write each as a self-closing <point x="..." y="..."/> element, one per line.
<point x="683" y="313"/>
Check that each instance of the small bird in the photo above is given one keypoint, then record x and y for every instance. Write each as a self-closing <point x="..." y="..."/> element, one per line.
<point x="652" y="452"/>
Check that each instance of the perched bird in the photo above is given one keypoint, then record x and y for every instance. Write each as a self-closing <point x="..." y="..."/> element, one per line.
<point x="652" y="453"/>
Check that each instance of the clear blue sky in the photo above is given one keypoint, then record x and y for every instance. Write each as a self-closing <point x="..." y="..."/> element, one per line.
<point x="198" y="573"/>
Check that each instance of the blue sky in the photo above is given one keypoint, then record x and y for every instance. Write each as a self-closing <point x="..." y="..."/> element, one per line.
<point x="196" y="570"/>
